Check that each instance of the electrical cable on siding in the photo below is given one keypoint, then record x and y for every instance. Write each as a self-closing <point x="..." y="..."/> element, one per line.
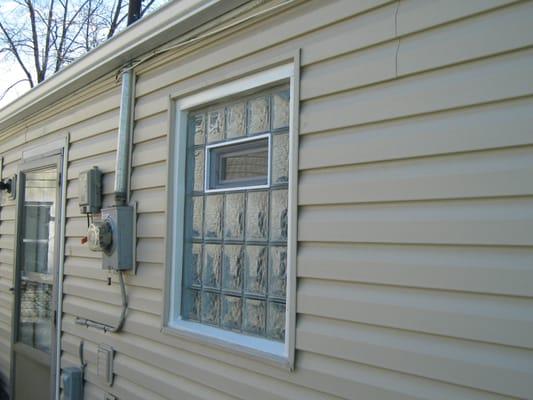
<point x="106" y="327"/>
<point x="136" y="62"/>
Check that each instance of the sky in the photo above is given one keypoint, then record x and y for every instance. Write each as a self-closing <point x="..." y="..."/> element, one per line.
<point x="10" y="71"/>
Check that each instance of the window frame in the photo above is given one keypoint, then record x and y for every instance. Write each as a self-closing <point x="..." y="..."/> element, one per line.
<point x="276" y="353"/>
<point x="208" y="168"/>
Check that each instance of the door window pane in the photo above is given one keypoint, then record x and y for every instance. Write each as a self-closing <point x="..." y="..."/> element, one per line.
<point x="37" y="244"/>
<point x="35" y="314"/>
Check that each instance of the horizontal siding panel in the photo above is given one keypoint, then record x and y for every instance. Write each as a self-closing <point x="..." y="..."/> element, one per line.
<point x="6" y="256"/>
<point x="149" y="176"/>
<point x="148" y="152"/>
<point x="151" y="225"/>
<point x="415" y="15"/>
<point x="153" y="379"/>
<point x="7" y="241"/>
<point x="74" y="247"/>
<point x="476" y="222"/>
<point x="104" y="161"/>
<point x="7" y="212"/>
<point x="482" y="174"/>
<point x="122" y="388"/>
<point x="150" y="200"/>
<point x="496" y="270"/>
<point x="147" y="275"/>
<point x="502" y="370"/>
<point x="490" y="33"/>
<point x="357" y="381"/>
<point x="7" y="227"/>
<point x="12" y="142"/>
<point x="476" y="128"/>
<point x="295" y="22"/>
<point x="150" y="128"/>
<point x="102" y="312"/>
<point x="467" y="84"/>
<point x="227" y="378"/>
<point x="12" y="156"/>
<point x="361" y="31"/>
<point x="76" y="114"/>
<point x="502" y="320"/>
<point x="76" y="227"/>
<point x="94" y="145"/>
<point x="141" y="299"/>
<point x="98" y="124"/>
<point x="150" y="250"/>
<point x="378" y="63"/>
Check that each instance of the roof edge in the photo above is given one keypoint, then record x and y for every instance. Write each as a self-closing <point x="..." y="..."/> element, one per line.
<point x="164" y="25"/>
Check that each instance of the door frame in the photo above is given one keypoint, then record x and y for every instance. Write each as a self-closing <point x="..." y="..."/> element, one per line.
<point x="32" y="159"/>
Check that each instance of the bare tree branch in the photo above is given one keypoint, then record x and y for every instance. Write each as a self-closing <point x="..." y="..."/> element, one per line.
<point x="11" y="87"/>
<point x="42" y="36"/>
<point x="15" y="52"/>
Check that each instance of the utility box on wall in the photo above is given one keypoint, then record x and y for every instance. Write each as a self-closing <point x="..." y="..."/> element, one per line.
<point x="90" y="191"/>
<point x="72" y="383"/>
<point x="121" y="255"/>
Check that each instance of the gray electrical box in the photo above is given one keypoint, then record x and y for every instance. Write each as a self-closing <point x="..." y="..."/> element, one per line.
<point x="104" y="364"/>
<point x="90" y="191"/>
<point x="72" y="383"/>
<point x="121" y="254"/>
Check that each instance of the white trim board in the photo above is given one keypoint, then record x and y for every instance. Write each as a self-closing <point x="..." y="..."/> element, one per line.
<point x="278" y="353"/>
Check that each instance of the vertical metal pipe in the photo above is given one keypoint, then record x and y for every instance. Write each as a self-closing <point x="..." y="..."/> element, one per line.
<point x="124" y="138"/>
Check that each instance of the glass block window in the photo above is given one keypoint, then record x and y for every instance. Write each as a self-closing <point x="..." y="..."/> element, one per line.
<point x="235" y="232"/>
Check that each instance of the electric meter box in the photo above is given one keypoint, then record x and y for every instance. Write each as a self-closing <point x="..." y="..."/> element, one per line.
<point x="120" y="256"/>
<point x="90" y="187"/>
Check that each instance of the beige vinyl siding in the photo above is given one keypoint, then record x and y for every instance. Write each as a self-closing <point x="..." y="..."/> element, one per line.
<point x="415" y="257"/>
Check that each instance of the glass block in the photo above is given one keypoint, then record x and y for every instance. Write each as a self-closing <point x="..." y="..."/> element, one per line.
<point x="232" y="267"/>
<point x="215" y="130"/>
<point x="198" y="184"/>
<point x="199" y="129"/>
<point x="213" y="216"/>
<point x="210" y="308"/>
<point x="191" y="305"/>
<point x="197" y="216"/>
<point x="258" y="115"/>
<point x="256" y="269"/>
<point x="235" y="120"/>
<point x="277" y="273"/>
<point x="280" y="158"/>
<point x="195" y="265"/>
<point x="234" y="216"/>
<point x="231" y="312"/>
<point x="254" y="316"/>
<point x="278" y="215"/>
<point x="257" y="216"/>
<point x="280" y="110"/>
<point x="212" y="265"/>
<point x="276" y="321"/>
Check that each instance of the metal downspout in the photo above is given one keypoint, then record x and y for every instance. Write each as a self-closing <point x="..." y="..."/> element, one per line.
<point x="124" y="139"/>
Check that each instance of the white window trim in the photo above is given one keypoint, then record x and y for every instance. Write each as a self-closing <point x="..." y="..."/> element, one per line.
<point x="278" y="353"/>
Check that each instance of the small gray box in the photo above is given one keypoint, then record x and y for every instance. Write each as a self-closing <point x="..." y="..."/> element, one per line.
<point x="121" y="255"/>
<point x="104" y="363"/>
<point x="90" y="191"/>
<point x="72" y="383"/>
